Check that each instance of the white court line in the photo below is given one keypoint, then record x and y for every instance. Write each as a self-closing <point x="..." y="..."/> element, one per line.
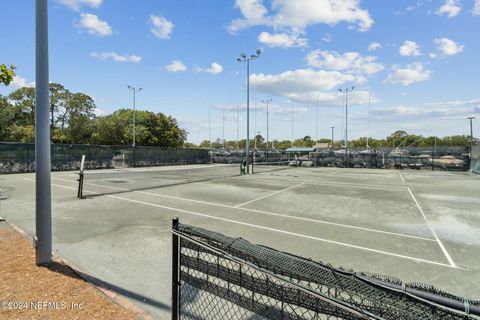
<point x="271" y="229"/>
<point x="445" y="252"/>
<point x="262" y="212"/>
<point x="332" y="173"/>
<point x="401" y="177"/>
<point x="337" y="184"/>
<point x="269" y="195"/>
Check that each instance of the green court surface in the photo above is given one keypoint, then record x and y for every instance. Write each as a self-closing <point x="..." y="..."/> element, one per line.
<point x="419" y="226"/>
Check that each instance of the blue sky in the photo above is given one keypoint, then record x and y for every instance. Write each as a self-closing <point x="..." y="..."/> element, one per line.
<point x="418" y="60"/>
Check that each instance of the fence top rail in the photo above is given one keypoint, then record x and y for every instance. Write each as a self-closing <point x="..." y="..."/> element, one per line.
<point x="370" y="286"/>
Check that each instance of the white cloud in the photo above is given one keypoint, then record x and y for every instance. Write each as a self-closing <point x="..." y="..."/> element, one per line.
<point x="282" y="40"/>
<point x="116" y="57"/>
<point x="349" y="61"/>
<point x="434" y="110"/>
<point x="94" y="25"/>
<point x="297" y="15"/>
<point x="303" y="84"/>
<point x="162" y="28"/>
<point x="176" y="66"/>
<point x="374" y="46"/>
<point x="412" y="73"/>
<point x="215" y="68"/>
<point x="451" y="8"/>
<point x="254" y="13"/>
<point x="476" y="8"/>
<point x="19" y="82"/>
<point x="432" y="55"/>
<point x="78" y="4"/>
<point x="409" y="48"/>
<point x="448" y="47"/>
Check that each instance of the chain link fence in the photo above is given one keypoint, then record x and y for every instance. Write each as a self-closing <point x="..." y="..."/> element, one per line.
<point x="436" y="158"/>
<point x="218" y="277"/>
<point x="20" y="157"/>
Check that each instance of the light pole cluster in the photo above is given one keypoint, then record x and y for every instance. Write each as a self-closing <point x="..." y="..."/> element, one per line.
<point x="244" y="58"/>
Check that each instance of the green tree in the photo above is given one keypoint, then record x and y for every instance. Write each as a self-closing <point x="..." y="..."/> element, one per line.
<point x="6" y="118"/>
<point x="6" y="74"/>
<point x="58" y="99"/>
<point x="23" y="100"/>
<point x="151" y="129"/>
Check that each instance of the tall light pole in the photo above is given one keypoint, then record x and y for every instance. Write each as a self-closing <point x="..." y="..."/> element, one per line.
<point x="238" y="132"/>
<point x="471" y="139"/>
<point x="368" y="120"/>
<point x="333" y="140"/>
<point x="267" y="101"/>
<point x="223" y="127"/>
<point x="243" y="58"/>
<point x="255" y="125"/>
<point x="134" y="90"/>
<point x="43" y="201"/>
<point x="292" y="123"/>
<point x="346" y="91"/>
<point x="209" y="130"/>
<point x="316" y="121"/>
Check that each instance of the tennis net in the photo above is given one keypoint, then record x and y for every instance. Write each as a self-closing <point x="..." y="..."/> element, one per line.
<point x="95" y="183"/>
<point x="261" y="167"/>
<point x="219" y="277"/>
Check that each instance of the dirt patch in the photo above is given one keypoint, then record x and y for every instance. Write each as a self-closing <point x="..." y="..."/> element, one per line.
<point x="54" y="292"/>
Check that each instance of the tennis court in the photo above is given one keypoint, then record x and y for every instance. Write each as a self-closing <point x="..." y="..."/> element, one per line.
<point x="416" y="225"/>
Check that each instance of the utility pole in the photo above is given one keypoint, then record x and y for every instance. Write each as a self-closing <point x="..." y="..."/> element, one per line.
<point x="346" y="91"/>
<point x="43" y="196"/>
<point x="243" y="58"/>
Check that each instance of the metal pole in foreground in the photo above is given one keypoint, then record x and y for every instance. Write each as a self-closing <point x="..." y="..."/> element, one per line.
<point x="43" y="201"/>
<point x="175" y="272"/>
<point x="247" y="145"/>
<point x="243" y="58"/>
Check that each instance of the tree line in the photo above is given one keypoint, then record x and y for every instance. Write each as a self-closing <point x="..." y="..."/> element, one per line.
<point x="399" y="138"/>
<point x="73" y="121"/>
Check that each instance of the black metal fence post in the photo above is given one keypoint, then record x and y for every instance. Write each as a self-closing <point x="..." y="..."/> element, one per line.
<point x="175" y="272"/>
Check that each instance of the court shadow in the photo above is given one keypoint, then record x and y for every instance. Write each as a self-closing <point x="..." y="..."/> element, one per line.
<point x="68" y="271"/>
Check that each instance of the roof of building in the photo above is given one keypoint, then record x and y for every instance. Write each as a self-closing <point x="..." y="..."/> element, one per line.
<point x="295" y="150"/>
